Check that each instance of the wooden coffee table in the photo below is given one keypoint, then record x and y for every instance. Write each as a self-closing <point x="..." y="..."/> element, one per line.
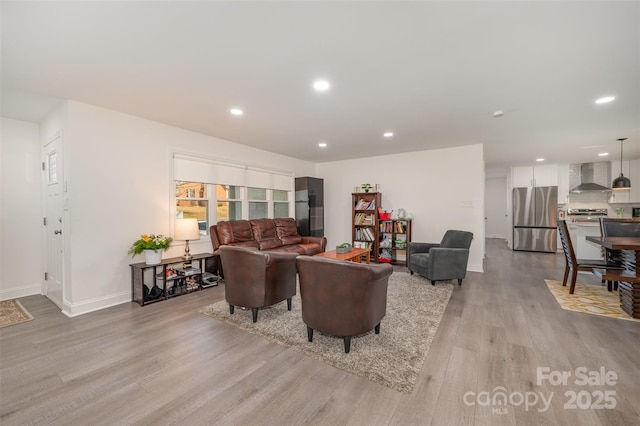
<point x="354" y="255"/>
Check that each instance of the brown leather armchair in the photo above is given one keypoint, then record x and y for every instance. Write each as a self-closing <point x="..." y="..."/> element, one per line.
<point x="255" y="279"/>
<point x="342" y="299"/>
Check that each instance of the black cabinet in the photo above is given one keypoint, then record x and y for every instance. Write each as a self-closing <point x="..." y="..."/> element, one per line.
<point x="310" y="206"/>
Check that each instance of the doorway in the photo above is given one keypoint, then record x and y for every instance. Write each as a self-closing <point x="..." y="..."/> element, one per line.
<point x="496" y="213"/>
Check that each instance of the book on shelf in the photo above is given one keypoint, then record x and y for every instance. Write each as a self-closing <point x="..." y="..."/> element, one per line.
<point x="363" y="219"/>
<point x="386" y="227"/>
<point x="363" y="204"/>
<point x="400" y="227"/>
<point x="361" y="244"/>
<point x="364" y="234"/>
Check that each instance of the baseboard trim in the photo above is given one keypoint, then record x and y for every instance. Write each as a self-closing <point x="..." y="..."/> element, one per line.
<point x="96" y="304"/>
<point x="23" y="291"/>
<point x="502" y="236"/>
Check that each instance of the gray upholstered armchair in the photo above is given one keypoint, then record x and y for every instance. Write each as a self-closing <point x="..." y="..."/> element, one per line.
<point x="446" y="260"/>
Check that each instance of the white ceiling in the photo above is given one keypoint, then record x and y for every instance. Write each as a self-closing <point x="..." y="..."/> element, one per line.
<point x="431" y="72"/>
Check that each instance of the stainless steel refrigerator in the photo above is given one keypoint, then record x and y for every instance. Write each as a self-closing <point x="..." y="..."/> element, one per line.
<point x="535" y="211"/>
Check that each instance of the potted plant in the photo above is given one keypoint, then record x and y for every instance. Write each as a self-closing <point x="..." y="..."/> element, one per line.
<point x="343" y="248"/>
<point x="366" y="187"/>
<point x="152" y="246"/>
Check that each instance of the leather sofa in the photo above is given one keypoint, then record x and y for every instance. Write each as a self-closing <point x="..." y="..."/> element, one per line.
<point x="279" y="234"/>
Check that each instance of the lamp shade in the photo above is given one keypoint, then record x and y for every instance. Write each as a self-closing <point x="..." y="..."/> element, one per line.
<point x="621" y="182"/>
<point x="187" y="229"/>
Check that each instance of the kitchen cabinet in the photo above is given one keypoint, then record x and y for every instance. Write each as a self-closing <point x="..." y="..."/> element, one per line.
<point x="583" y="248"/>
<point x="546" y="175"/>
<point x="634" y="175"/>
<point x="563" y="183"/>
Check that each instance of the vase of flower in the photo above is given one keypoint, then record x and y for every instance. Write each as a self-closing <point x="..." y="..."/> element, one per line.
<point x="152" y="257"/>
<point x="152" y="246"/>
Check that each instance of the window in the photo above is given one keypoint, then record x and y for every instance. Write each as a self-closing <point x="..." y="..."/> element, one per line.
<point x="212" y="191"/>
<point x="192" y="202"/>
<point x="229" y="203"/>
<point x="258" y="205"/>
<point x="280" y="203"/>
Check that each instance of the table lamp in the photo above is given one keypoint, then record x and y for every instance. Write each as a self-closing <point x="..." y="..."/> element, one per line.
<point x="187" y="229"/>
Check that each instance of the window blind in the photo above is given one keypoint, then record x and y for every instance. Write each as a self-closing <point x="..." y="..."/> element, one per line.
<point x="193" y="169"/>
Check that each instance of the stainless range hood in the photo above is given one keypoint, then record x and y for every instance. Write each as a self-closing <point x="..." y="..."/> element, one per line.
<point x="592" y="177"/>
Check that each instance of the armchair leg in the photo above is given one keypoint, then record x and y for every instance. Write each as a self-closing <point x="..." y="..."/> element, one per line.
<point x="347" y="344"/>
<point x="459" y="282"/>
<point x="289" y="303"/>
<point x="410" y="272"/>
<point x="433" y="282"/>
<point x="377" y="329"/>
<point x="254" y="314"/>
<point x="231" y="309"/>
<point x="310" y="334"/>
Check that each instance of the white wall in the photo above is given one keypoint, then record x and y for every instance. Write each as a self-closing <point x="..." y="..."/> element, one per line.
<point x="496" y="208"/>
<point x="443" y="188"/>
<point x="118" y="175"/>
<point x="21" y="271"/>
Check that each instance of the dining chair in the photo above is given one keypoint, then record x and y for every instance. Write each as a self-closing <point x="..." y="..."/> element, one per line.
<point x="616" y="227"/>
<point x="574" y="264"/>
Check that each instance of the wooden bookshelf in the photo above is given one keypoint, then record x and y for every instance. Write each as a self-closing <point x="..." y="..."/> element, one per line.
<point x="395" y="234"/>
<point x="365" y="224"/>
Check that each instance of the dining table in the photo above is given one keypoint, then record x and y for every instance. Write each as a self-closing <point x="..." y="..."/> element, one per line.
<point x="629" y="278"/>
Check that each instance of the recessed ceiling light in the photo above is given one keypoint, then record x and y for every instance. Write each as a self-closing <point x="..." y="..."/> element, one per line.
<point x="388" y="134"/>
<point x="605" y="100"/>
<point x="322" y="144"/>
<point x="321" y="85"/>
<point x="498" y="114"/>
<point x="539" y="159"/>
<point x="603" y="154"/>
<point x="236" y="111"/>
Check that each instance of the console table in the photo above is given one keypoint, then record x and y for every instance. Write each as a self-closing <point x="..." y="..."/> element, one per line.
<point x="138" y="277"/>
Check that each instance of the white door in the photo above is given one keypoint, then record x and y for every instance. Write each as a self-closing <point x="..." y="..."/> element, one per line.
<point x="54" y="237"/>
<point x="495" y="193"/>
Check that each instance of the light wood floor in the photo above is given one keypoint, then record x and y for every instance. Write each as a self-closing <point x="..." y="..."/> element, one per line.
<point x="168" y="364"/>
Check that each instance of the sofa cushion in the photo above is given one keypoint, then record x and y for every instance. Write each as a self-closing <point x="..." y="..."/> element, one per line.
<point x="263" y="229"/>
<point x="269" y="243"/>
<point x="310" y="249"/>
<point x="287" y="230"/>
<point x="264" y="232"/>
<point x="234" y="231"/>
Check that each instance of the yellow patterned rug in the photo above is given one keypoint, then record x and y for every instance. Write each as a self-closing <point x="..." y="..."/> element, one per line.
<point x="589" y="299"/>
<point x="12" y="312"/>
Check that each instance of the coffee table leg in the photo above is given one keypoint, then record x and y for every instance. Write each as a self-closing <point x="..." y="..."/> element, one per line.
<point x="368" y="259"/>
